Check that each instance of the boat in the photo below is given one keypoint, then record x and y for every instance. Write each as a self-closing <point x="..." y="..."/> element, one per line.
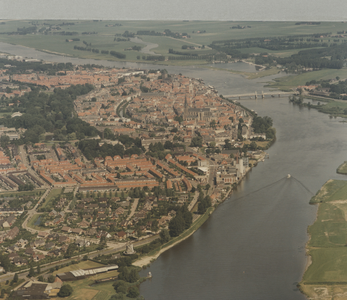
<point x="288" y="176"/>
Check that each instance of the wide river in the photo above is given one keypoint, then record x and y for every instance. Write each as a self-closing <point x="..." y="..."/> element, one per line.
<point x="253" y="245"/>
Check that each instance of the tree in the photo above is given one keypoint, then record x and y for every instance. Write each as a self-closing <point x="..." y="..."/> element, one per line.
<point x="133" y="292"/>
<point x="164" y="236"/>
<point x="65" y="291"/>
<point x="154" y="226"/>
<point x="31" y="272"/>
<point x="176" y="225"/>
<point x="15" y="278"/>
<point x="2" y="293"/>
<point x="38" y="270"/>
<point x="120" y="286"/>
<point x="70" y="250"/>
<point x="51" y="278"/>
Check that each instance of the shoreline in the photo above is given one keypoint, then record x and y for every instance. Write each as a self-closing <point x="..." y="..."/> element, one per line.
<point x="148" y="259"/>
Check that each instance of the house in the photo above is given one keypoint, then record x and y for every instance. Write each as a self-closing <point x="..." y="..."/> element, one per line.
<point x="12" y="256"/>
<point x="54" y="253"/>
<point x="66" y="229"/>
<point x="82" y="243"/>
<point x="12" y="249"/>
<point x="83" y="224"/>
<point x="119" y="211"/>
<point x="29" y="251"/>
<point x="53" y="237"/>
<point x="21" y="243"/>
<point x="39" y="243"/>
<point x="121" y="235"/>
<point x="19" y="261"/>
<point x="38" y="257"/>
<point x="12" y="233"/>
<point x="78" y="231"/>
<point x="49" y="245"/>
<point x="43" y="234"/>
<point x="64" y="239"/>
<point x="91" y="232"/>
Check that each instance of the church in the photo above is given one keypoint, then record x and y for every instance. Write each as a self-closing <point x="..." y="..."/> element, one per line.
<point x="197" y="114"/>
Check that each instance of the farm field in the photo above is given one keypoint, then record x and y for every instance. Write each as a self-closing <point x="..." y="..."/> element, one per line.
<point x="103" y="35"/>
<point x="327" y="275"/>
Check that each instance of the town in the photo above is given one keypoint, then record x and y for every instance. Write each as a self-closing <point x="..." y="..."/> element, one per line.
<point x="162" y="143"/>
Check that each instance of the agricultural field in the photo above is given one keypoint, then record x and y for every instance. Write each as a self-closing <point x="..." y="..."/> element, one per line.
<point x="326" y="275"/>
<point x="51" y="36"/>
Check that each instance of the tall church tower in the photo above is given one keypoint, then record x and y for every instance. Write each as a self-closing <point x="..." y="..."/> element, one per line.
<point x="185" y="112"/>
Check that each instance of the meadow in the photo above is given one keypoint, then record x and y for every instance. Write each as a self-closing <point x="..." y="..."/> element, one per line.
<point x="327" y="274"/>
<point x="101" y="35"/>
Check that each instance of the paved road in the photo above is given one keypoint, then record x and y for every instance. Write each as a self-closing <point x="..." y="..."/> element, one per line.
<point x="33" y="211"/>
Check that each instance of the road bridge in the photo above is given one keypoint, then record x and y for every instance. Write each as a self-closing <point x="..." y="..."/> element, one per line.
<point x="262" y="95"/>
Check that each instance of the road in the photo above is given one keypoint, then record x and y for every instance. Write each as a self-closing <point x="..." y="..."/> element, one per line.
<point x="133" y="208"/>
<point x="33" y="211"/>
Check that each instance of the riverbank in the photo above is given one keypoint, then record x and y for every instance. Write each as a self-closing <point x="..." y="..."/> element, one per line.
<point x="325" y="276"/>
<point x="146" y="260"/>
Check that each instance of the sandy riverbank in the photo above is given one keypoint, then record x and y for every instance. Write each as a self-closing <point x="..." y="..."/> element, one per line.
<point x="146" y="260"/>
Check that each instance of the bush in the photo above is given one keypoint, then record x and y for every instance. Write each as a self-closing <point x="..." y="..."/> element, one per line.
<point x="65" y="291"/>
<point x="133" y="292"/>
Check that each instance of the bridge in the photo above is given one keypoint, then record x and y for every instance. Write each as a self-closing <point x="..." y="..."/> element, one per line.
<point x="262" y="95"/>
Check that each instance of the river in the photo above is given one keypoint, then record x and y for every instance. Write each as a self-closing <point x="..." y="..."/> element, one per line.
<point x="253" y="245"/>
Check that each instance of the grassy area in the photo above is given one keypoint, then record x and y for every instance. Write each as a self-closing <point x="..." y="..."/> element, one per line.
<point x="332" y="190"/>
<point x="342" y="169"/>
<point x="87" y="264"/>
<point x="327" y="274"/>
<point x="291" y="81"/>
<point x="22" y="194"/>
<point x="33" y="220"/>
<point x="86" y="289"/>
<point x="102" y="36"/>
<point x="50" y="197"/>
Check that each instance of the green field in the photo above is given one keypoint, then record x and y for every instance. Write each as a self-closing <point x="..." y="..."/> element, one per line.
<point x="32" y="221"/>
<point x="82" y="289"/>
<point x="22" y="194"/>
<point x="50" y="197"/>
<point x="327" y="244"/>
<point x="288" y="82"/>
<point x="342" y="169"/>
<point x="102" y="37"/>
<point x="332" y="190"/>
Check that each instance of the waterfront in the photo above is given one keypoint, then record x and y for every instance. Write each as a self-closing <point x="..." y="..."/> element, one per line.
<point x="254" y="247"/>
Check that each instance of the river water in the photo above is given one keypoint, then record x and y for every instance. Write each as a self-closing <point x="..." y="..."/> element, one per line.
<point x="253" y="245"/>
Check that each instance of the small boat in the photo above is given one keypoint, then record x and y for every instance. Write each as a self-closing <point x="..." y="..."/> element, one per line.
<point x="288" y="176"/>
<point x="149" y="275"/>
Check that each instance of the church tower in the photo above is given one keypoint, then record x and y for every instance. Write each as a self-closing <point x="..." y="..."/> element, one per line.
<point x="185" y="112"/>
